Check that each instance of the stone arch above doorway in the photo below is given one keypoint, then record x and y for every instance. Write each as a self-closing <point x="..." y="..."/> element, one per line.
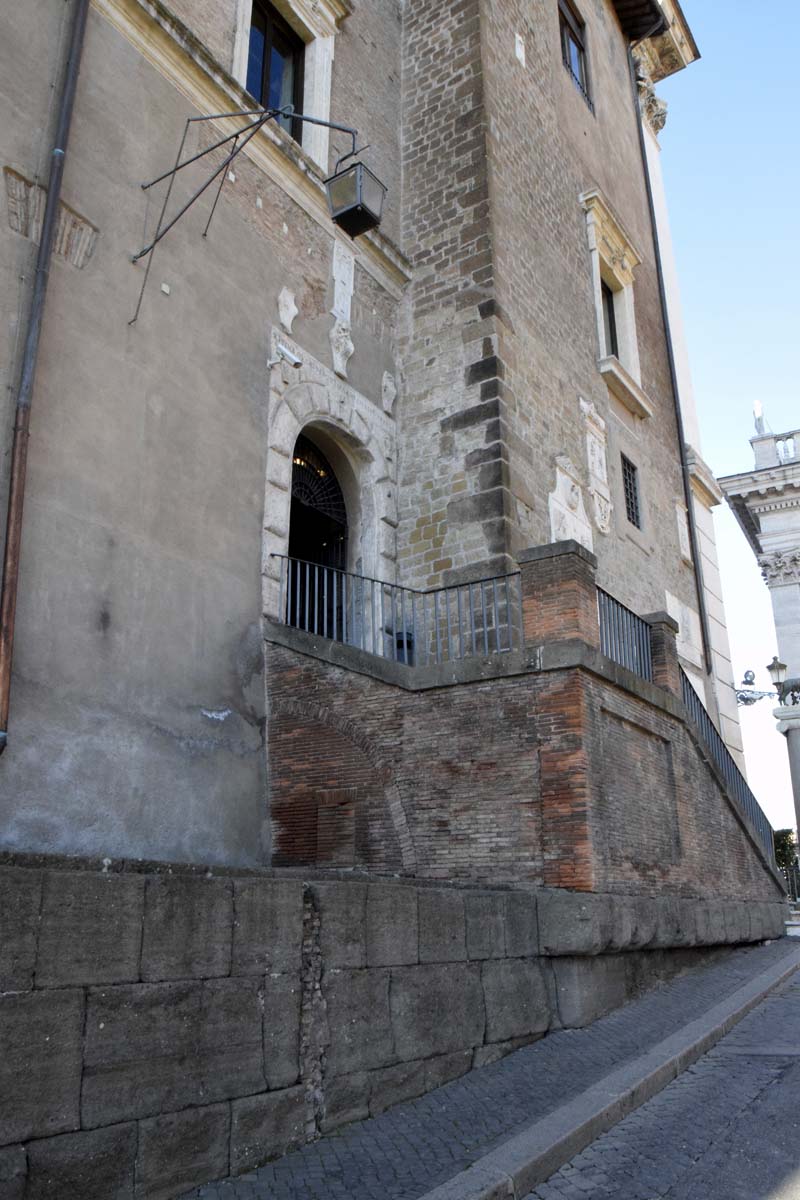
<point x="311" y="399"/>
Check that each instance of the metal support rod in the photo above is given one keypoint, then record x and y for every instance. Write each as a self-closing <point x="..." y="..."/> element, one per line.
<point x="219" y="193"/>
<point x="253" y="130"/>
<point x="19" y="452"/>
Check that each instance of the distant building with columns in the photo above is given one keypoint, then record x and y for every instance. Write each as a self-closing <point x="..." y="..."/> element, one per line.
<point x="766" y="503"/>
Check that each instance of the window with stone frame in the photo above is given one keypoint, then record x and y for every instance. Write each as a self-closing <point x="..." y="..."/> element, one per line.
<point x="573" y="48"/>
<point x="613" y="260"/>
<point x="308" y="27"/>
<point x="275" y="59"/>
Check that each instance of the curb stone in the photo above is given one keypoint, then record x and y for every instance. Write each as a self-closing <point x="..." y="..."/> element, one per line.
<point x="530" y="1157"/>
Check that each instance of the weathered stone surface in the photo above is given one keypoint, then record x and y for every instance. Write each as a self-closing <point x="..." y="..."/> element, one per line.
<point x="40" y="1064"/>
<point x="267" y="926"/>
<point x="573" y="922"/>
<point x="359" y="1020"/>
<point x="436" y="1009"/>
<point x="668" y="923"/>
<point x="97" y="1164"/>
<point x="483" y="1056"/>
<point x="282" y="1000"/>
<point x="643" y="920"/>
<point x="444" y="1067"/>
<point x="392" y="926"/>
<point x="20" y="898"/>
<point x="156" y="1047"/>
<point x="342" y="908"/>
<point x="182" y="1150"/>
<point x="263" y="1127"/>
<point x="522" y="925"/>
<point x="516" y="999"/>
<point x="395" y="1084"/>
<point x="188" y="925"/>
<point x="346" y="1100"/>
<point x="13" y="1172"/>
<point x="486" y="924"/>
<point x="91" y="928"/>
<point x="587" y="988"/>
<point x="442" y="926"/>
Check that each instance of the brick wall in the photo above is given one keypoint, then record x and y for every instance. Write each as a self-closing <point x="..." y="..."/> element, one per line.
<point x="577" y="776"/>
<point x="160" y="1028"/>
<point x="453" y="502"/>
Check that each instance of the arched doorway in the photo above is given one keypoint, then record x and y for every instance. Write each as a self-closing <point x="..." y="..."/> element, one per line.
<point x="317" y="597"/>
<point x="318" y="519"/>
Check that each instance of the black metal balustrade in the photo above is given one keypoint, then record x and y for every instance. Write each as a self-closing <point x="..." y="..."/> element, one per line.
<point x="723" y="759"/>
<point x="792" y="877"/>
<point x="624" y="636"/>
<point x="402" y="624"/>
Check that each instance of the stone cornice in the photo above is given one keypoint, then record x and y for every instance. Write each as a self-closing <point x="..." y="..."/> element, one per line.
<point x="175" y="52"/>
<point x="672" y="50"/>
<point x="624" y="388"/>
<point x="703" y="482"/>
<point x="320" y="17"/>
<point x="611" y="238"/>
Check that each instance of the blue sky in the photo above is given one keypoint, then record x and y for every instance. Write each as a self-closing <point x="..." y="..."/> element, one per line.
<point x="730" y="153"/>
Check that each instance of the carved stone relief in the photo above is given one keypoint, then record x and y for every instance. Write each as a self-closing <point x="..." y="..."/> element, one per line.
<point x="75" y="237"/>
<point x="596" y="455"/>
<point x="342" y="347"/>
<point x="388" y="391"/>
<point x="287" y="309"/>
<point x="568" y="519"/>
<point x="781" y="567"/>
<point x="340" y="335"/>
<point x="344" y="262"/>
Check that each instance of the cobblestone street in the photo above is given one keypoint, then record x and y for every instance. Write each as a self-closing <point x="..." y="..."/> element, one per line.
<point x="727" y="1129"/>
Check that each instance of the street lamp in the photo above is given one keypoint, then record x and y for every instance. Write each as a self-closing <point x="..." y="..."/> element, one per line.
<point x="355" y="198"/>
<point x="777" y="673"/>
<point x="355" y="195"/>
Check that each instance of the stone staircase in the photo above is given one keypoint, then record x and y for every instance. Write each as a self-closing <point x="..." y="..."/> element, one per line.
<point x="793" y="921"/>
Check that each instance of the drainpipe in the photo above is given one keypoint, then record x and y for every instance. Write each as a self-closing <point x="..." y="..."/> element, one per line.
<point x="19" y="452"/>
<point x="694" y="540"/>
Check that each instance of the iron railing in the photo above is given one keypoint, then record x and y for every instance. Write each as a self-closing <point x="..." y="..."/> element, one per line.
<point x="723" y="759"/>
<point x="792" y="877"/>
<point x="398" y="623"/>
<point x="624" y="636"/>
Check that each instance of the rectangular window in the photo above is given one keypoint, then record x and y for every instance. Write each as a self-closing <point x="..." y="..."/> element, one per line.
<point x="609" y="320"/>
<point x="275" y="64"/>
<point x="573" y="48"/>
<point x="630" y="484"/>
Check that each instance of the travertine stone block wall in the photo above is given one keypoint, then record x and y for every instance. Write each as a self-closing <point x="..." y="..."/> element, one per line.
<point x="159" y="1030"/>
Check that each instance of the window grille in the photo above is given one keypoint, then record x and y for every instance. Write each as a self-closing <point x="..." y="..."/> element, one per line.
<point x="630" y="484"/>
<point x="573" y="48"/>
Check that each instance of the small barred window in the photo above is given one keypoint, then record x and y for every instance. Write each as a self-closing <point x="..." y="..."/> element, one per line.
<point x="630" y="484"/>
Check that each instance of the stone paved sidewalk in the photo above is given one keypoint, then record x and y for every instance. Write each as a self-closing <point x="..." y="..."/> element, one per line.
<point x="407" y="1151"/>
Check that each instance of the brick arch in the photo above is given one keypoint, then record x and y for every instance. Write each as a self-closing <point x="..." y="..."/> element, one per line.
<point x="319" y="717"/>
<point x="349" y="420"/>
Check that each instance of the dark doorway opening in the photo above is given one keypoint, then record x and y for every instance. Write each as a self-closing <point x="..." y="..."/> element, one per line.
<point x="317" y="543"/>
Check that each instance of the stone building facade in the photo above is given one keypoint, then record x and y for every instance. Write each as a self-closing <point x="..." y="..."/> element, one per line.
<point x="453" y="370"/>
<point x="366" y="662"/>
<point x="766" y="503"/>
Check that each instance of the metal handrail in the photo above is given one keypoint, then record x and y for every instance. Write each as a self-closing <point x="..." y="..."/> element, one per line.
<point x="724" y="761"/>
<point x="624" y="636"/>
<point x="405" y="625"/>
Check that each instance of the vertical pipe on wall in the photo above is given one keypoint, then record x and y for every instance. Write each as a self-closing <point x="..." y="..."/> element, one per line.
<point x="694" y="540"/>
<point x="19" y="452"/>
